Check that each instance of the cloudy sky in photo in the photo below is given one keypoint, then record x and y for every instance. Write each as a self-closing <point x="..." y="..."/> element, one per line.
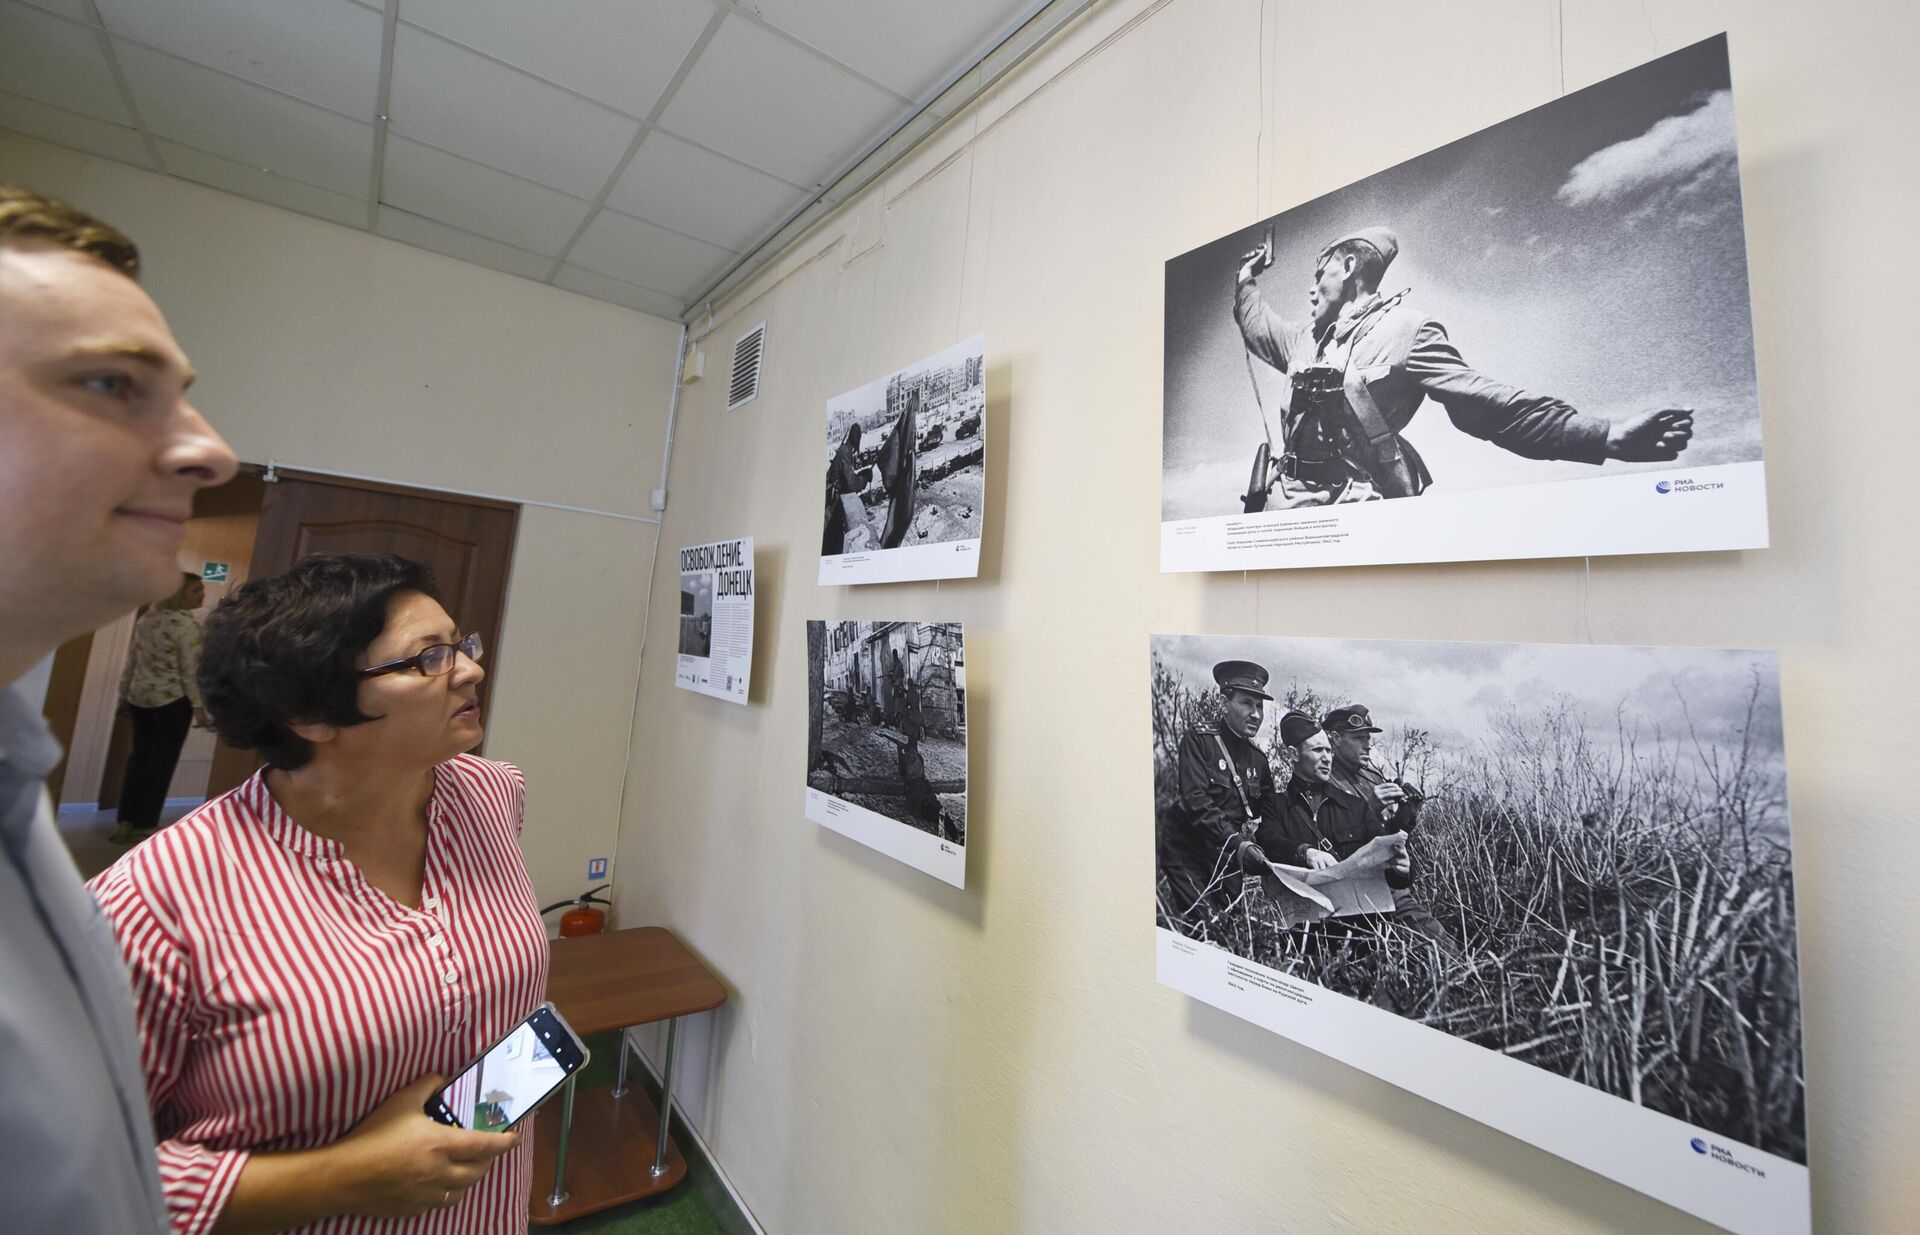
<point x="1591" y="249"/>
<point x="1456" y="690"/>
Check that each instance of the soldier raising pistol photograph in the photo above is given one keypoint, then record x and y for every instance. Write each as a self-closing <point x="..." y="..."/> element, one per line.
<point x="1561" y="297"/>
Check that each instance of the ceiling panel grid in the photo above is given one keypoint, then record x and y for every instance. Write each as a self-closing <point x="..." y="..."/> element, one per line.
<point x="627" y="150"/>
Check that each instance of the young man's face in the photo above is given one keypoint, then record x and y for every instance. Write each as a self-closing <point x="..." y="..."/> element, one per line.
<point x="1314" y="759"/>
<point x="100" y="453"/>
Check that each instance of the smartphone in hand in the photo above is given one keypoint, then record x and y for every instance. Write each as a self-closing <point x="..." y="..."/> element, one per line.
<point x="515" y="1075"/>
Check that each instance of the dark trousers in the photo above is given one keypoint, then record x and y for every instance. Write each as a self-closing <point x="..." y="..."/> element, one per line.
<point x="158" y="734"/>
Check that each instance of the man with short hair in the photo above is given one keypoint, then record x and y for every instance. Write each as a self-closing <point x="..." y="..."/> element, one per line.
<point x="1361" y="366"/>
<point x="1223" y="793"/>
<point x="100" y="456"/>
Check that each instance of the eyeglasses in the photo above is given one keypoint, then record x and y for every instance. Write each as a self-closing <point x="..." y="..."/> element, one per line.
<point x="434" y="661"/>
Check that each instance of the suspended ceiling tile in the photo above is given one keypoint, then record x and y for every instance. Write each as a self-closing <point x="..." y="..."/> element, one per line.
<point x="425" y="233"/>
<point x="621" y="52"/>
<point x="246" y="123"/>
<point x="617" y="291"/>
<point x="437" y="185"/>
<point x="905" y="45"/>
<point x="448" y="97"/>
<point x="324" y="51"/>
<point x="76" y="9"/>
<point x="251" y="182"/>
<point x="640" y="252"/>
<point x="70" y="129"/>
<point x="53" y="61"/>
<point x="757" y="97"/>
<point x="695" y="191"/>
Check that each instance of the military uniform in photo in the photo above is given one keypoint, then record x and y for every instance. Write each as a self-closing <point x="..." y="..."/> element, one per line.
<point x="1363" y="779"/>
<point x="1357" y="382"/>
<point x="1225" y="790"/>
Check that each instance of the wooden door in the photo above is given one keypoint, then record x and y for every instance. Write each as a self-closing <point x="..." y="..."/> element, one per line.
<point x="466" y="542"/>
<point x="62" y="706"/>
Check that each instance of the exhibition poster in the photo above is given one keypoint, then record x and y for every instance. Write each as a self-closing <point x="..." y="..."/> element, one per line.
<point x="906" y="459"/>
<point x="887" y="739"/>
<point x="716" y="619"/>
<point x="1536" y="341"/>
<point x="1547" y="886"/>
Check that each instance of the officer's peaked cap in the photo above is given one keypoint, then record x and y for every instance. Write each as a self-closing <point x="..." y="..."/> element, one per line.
<point x="1381" y="238"/>
<point x="1242" y="675"/>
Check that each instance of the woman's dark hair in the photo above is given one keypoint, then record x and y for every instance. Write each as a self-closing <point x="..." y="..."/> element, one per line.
<point x="281" y="651"/>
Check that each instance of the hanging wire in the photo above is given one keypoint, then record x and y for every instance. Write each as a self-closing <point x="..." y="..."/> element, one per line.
<point x="966" y="242"/>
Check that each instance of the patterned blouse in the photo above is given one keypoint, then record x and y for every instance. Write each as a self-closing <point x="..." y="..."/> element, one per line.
<point x="280" y="996"/>
<point x="163" y="660"/>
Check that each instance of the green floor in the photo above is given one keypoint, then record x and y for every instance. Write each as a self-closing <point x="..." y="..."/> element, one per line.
<point x="680" y="1212"/>
<point x="683" y="1211"/>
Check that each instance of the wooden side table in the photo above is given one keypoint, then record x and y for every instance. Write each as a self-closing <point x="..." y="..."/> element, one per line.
<point x="611" y="1146"/>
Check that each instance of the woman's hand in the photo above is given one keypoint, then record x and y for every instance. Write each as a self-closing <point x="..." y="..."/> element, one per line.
<point x="405" y="1163"/>
<point x="396" y="1163"/>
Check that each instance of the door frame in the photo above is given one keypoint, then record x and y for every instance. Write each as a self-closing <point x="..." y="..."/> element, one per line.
<point x="227" y="759"/>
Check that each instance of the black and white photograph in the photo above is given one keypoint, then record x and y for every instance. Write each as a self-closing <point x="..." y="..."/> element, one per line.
<point x="1535" y="341"/>
<point x="887" y="739"/>
<point x="1548" y="886"/>
<point x="696" y="614"/>
<point x="906" y="465"/>
<point x="716" y="619"/>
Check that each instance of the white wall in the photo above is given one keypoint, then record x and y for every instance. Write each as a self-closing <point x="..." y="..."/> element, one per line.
<point x="323" y="347"/>
<point x="901" y="1056"/>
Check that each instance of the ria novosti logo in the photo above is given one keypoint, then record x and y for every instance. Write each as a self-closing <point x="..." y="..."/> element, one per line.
<point x="1724" y="1156"/>
<point x="1664" y="487"/>
<point x="1684" y="485"/>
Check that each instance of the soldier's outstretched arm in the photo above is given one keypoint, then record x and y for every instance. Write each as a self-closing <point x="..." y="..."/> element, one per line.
<point x="1651" y="437"/>
<point x="1530" y="425"/>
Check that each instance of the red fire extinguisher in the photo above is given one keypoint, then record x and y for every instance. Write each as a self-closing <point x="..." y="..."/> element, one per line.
<point x="582" y="918"/>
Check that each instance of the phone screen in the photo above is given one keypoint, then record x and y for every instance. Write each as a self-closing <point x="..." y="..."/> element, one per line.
<point x="513" y="1077"/>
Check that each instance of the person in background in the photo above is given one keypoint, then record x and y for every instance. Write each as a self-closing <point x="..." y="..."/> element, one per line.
<point x="100" y="456"/>
<point x="314" y="952"/>
<point x="162" y="699"/>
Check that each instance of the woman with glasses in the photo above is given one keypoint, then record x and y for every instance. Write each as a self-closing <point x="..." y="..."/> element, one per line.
<point x="313" y="952"/>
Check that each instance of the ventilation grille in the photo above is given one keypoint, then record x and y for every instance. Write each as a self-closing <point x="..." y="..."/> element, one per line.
<point x="744" y="382"/>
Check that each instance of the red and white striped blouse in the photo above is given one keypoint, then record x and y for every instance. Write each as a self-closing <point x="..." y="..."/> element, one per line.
<point x="281" y="996"/>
